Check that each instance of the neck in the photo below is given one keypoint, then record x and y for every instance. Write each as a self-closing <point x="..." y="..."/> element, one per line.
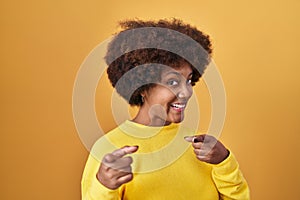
<point x="146" y="118"/>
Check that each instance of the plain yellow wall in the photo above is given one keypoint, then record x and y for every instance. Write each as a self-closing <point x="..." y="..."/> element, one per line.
<point x="43" y="43"/>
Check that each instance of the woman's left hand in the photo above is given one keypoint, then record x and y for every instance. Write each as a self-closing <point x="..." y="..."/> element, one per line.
<point x="208" y="149"/>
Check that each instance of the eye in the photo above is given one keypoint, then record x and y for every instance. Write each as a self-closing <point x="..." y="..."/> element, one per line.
<point x="173" y="82"/>
<point x="189" y="82"/>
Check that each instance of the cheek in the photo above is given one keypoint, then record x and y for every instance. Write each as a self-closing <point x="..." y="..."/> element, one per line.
<point x="161" y="96"/>
<point x="191" y="90"/>
<point x="167" y="95"/>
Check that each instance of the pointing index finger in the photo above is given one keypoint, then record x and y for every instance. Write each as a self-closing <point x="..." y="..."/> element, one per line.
<point x="189" y="138"/>
<point x="124" y="151"/>
<point x="195" y="139"/>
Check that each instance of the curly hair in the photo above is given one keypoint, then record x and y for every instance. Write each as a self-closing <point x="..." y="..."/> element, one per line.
<point x="145" y="75"/>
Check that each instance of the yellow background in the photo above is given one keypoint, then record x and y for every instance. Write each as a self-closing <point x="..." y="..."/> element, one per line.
<point x="256" y="48"/>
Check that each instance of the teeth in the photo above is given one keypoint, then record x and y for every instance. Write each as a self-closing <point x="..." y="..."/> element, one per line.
<point x="178" y="105"/>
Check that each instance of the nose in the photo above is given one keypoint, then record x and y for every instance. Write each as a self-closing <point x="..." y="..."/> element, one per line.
<point x="185" y="92"/>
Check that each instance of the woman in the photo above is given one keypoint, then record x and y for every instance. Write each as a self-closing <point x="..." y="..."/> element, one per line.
<point x="160" y="83"/>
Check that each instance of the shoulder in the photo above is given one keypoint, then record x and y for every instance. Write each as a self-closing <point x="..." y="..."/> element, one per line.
<point x="106" y="143"/>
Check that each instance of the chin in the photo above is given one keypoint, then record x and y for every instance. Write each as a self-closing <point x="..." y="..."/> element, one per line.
<point x="177" y="119"/>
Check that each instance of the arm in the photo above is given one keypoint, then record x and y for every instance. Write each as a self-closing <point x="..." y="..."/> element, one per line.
<point x="225" y="169"/>
<point x="229" y="180"/>
<point x="103" y="181"/>
<point x="91" y="188"/>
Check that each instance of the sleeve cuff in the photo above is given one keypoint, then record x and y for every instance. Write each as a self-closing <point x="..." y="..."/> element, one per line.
<point x="226" y="166"/>
<point x="99" y="191"/>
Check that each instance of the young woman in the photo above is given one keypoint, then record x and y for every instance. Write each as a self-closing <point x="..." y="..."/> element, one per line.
<point x="160" y="83"/>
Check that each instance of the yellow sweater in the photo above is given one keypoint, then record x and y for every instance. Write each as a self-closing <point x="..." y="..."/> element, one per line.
<point x="164" y="167"/>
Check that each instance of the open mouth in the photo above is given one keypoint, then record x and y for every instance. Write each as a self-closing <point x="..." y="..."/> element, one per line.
<point x="178" y="106"/>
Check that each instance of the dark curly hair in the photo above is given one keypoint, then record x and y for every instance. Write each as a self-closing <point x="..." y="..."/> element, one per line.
<point x="123" y="56"/>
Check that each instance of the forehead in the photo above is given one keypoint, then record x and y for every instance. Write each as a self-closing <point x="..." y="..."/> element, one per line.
<point x="184" y="70"/>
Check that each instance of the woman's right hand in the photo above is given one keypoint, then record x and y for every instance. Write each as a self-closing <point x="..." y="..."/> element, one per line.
<point x="115" y="169"/>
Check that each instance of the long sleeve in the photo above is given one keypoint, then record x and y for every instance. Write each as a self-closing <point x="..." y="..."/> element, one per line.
<point x="184" y="178"/>
<point x="229" y="180"/>
<point x="91" y="188"/>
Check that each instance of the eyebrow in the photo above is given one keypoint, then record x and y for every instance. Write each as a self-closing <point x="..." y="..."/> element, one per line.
<point x="178" y="74"/>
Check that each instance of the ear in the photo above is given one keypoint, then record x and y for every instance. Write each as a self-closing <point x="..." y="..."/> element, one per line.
<point x="142" y="98"/>
<point x="143" y="94"/>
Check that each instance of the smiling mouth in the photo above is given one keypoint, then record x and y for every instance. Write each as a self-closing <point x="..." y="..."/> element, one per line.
<point x="178" y="106"/>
